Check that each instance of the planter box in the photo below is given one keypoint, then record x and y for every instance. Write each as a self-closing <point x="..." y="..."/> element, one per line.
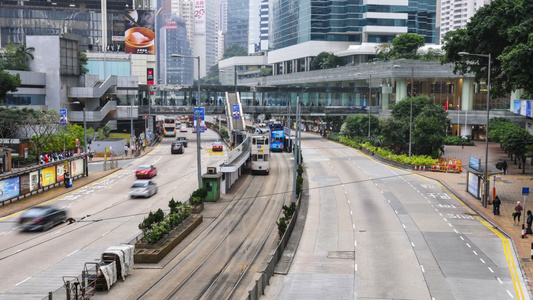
<point x="196" y="209"/>
<point x="153" y="253"/>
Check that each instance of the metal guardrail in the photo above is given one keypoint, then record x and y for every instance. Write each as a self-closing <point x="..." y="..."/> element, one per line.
<point x="260" y="285"/>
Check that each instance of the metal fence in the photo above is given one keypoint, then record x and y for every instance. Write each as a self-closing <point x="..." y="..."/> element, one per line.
<point x="260" y="285"/>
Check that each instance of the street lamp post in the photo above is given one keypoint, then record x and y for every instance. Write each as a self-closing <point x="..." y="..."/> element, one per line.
<point x="486" y="189"/>
<point x="369" y="98"/>
<point x="198" y="140"/>
<point x="411" y="111"/>
<point x="84" y="136"/>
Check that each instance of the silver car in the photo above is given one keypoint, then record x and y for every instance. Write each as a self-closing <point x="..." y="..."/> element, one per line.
<point x="143" y="188"/>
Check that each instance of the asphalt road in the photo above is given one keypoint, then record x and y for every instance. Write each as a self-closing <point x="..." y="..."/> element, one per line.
<point x="33" y="264"/>
<point x="376" y="232"/>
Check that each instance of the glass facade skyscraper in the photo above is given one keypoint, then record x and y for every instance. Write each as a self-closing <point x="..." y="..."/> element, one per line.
<point x="21" y="18"/>
<point x="237" y="26"/>
<point x="299" y="21"/>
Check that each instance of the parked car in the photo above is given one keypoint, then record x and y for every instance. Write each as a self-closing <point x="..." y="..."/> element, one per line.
<point x="143" y="188"/>
<point x="217" y="146"/>
<point x="176" y="147"/>
<point x="41" y="218"/>
<point x="146" y="171"/>
<point x="183" y="140"/>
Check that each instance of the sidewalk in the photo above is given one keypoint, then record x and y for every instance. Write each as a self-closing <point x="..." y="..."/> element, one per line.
<point x="509" y="190"/>
<point x="41" y="197"/>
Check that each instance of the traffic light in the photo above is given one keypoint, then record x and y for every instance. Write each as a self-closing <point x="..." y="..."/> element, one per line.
<point x="150" y="76"/>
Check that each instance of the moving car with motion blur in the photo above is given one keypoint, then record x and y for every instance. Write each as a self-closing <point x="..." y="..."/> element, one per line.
<point x="217" y="146"/>
<point x="183" y="128"/>
<point x="182" y="140"/>
<point x="176" y="147"/>
<point x="41" y="218"/>
<point x="143" y="188"/>
<point x="146" y="171"/>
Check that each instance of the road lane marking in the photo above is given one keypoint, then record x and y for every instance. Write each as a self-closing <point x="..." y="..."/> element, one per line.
<point x="482" y="260"/>
<point x="73" y="252"/>
<point x="499" y="280"/>
<point x="492" y="271"/>
<point x="510" y="294"/>
<point x="474" y="252"/>
<point x="422" y="267"/>
<point x="468" y="245"/>
<point x="412" y="244"/>
<point x="105" y="233"/>
<point x="22" y="281"/>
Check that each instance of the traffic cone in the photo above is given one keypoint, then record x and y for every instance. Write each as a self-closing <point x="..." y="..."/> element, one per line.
<point x="416" y="168"/>
<point x="424" y="168"/>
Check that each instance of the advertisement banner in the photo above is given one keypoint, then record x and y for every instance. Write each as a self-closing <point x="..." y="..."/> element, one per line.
<point x="34" y="181"/>
<point x="48" y="176"/>
<point x="139" y="36"/>
<point x="473" y="184"/>
<point x="60" y="171"/>
<point x="24" y="184"/>
<point x="523" y="108"/>
<point x="236" y="111"/>
<point x="63" y="117"/>
<point x="199" y="17"/>
<point x="76" y="167"/>
<point x="516" y="106"/>
<point x="474" y="162"/>
<point x="9" y="188"/>
<point x="528" y="108"/>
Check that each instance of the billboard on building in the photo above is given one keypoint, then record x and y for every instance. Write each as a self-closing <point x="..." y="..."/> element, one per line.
<point x="140" y="32"/>
<point x="199" y="17"/>
<point x="171" y="24"/>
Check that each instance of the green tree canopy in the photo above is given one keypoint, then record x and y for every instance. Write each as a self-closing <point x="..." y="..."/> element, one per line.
<point x="235" y="50"/>
<point x="8" y="83"/>
<point x="82" y="59"/>
<point x="325" y="60"/>
<point x="503" y="29"/>
<point x="357" y="125"/>
<point x="429" y="125"/>
<point x="517" y="141"/>
<point x="407" y="44"/>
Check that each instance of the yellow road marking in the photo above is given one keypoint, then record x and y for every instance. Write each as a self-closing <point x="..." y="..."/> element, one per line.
<point x="505" y="241"/>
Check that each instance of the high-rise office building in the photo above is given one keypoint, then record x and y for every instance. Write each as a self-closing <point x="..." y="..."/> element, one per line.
<point x="174" y="41"/>
<point x="264" y="25"/>
<point x="296" y="21"/>
<point x="205" y="34"/>
<point x="456" y="14"/>
<point x="300" y="30"/>
<point x="84" y="18"/>
<point x="237" y="23"/>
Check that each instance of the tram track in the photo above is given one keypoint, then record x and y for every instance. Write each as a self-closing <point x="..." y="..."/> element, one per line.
<point x="222" y="255"/>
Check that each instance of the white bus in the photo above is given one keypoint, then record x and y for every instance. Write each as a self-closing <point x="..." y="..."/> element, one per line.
<point x="169" y="126"/>
<point x="261" y="151"/>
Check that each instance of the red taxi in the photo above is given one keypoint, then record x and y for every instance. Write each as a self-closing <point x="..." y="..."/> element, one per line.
<point x="146" y="171"/>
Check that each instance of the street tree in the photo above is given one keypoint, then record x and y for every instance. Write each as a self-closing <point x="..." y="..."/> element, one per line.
<point x="407" y="44"/>
<point x="24" y="53"/>
<point x="503" y="29"/>
<point x="11" y="119"/>
<point x="357" y="125"/>
<point x="396" y="134"/>
<point x="324" y="60"/>
<point x="429" y="129"/>
<point x="40" y="127"/>
<point x="235" y="50"/>
<point x="8" y="83"/>
<point x="517" y="141"/>
<point x="498" y="127"/>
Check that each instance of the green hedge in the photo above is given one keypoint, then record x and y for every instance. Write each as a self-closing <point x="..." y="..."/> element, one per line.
<point x="388" y="154"/>
<point x="157" y="225"/>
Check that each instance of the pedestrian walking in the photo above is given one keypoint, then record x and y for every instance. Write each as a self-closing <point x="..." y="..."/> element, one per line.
<point x="517" y="213"/>
<point x="442" y="150"/>
<point x="504" y="167"/>
<point x="529" y="220"/>
<point x="126" y="149"/>
<point x="496" y="206"/>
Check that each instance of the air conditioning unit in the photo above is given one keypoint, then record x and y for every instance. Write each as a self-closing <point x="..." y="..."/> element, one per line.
<point x="211" y="170"/>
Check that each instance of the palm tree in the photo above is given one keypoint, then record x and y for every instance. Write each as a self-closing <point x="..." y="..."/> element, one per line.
<point x="23" y="53"/>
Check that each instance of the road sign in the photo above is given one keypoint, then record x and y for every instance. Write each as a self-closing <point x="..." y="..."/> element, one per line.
<point x="201" y="112"/>
<point x="525" y="191"/>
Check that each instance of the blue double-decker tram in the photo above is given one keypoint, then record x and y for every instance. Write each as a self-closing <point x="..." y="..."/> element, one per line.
<point x="277" y="137"/>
